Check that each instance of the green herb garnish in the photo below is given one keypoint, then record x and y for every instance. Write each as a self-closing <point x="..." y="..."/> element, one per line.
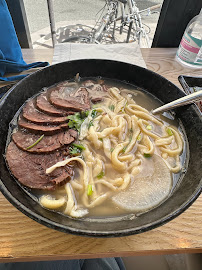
<point x="147" y="155"/>
<point x="75" y="121"/>
<point x="84" y="114"/>
<point x="35" y="143"/>
<point x="100" y="175"/>
<point x="90" y="124"/>
<point x="94" y="113"/>
<point x="74" y="151"/>
<point x="149" y="127"/>
<point x="79" y="146"/>
<point x="101" y="139"/>
<point x="90" y="190"/>
<point x="139" y="137"/>
<point x="169" y="131"/>
<point x="112" y="149"/>
<point x="124" y="149"/>
<point x="112" y="107"/>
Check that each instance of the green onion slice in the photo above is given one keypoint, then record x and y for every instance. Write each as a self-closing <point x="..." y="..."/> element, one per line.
<point x="139" y="137"/>
<point x="90" y="190"/>
<point x="147" y="155"/>
<point x="90" y="124"/>
<point x="149" y="127"/>
<point x="35" y="143"/>
<point x="100" y="175"/>
<point x="79" y="146"/>
<point x="169" y="131"/>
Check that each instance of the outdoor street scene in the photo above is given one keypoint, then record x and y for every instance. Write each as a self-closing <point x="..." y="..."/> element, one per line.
<point x="78" y="17"/>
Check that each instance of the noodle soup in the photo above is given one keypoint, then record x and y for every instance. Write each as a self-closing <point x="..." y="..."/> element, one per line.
<point x="124" y="161"/>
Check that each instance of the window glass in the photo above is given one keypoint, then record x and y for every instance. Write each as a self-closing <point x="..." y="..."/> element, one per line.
<point x="93" y="21"/>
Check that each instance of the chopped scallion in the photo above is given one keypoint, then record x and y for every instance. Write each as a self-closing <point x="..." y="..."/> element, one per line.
<point x="149" y="127"/>
<point x="94" y="113"/>
<point x="76" y="120"/>
<point x="84" y="114"/>
<point x="100" y="175"/>
<point x="112" y="149"/>
<point x="147" y="155"/>
<point x="35" y="143"/>
<point x="74" y="151"/>
<point x="79" y="146"/>
<point x="90" y="124"/>
<point x="124" y="149"/>
<point x="169" y="131"/>
<point x="139" y="137"/>
<point x="90" y="190"/>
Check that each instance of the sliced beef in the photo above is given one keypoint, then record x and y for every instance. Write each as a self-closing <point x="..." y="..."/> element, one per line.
<point x="30" y="113"/>
<point x="48" y="144"/>
<point x="40" y="129"/>
<point x="44" y="105"/>
<point x="76" y="101"/>
<point x="30" y="169"/>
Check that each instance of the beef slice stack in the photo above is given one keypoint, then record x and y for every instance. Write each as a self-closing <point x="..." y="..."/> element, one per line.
<point x="44" y="120"/>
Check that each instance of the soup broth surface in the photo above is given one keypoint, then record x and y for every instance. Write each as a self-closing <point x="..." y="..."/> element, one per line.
<point x="130" y="162"/>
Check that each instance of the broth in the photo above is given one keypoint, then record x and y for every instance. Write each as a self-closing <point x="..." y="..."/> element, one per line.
<point x="150" y="182"/>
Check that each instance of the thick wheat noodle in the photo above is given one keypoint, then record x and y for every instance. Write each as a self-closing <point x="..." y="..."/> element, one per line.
<point x="120" y="166"/>
<point x="134" y="163"/>
<point x="106" y="183"/>
<point x="71" y="207"/>
<point x="65" y="162"/>
<point x="136" y="132"/>
<point x="117" y="181"/>
<point x="120" y="105"/>
<point x="106" y="120"/>
<point x="115" y="133"/>
<point x="135" y="107"/>
<point x="143" y="114"/>
<point x="120" y="126"/>
<point x="76" y="185"/>
<point x="178" y="150"/>
<point x="149" y="145"/>
<point x="107" y="147"/>
<point x="144" y="130"/>
<point x="177" y="167"/>
<point x="95" y="202"/>
<point x="97" y="167"/>
<point x="93" y="137"/>
<point x="114" y="92"/>
<point x="126" y="157"/>
<point x="164" y="141"/>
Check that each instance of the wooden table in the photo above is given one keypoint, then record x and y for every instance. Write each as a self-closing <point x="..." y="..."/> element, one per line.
<point x="22" y="239"/>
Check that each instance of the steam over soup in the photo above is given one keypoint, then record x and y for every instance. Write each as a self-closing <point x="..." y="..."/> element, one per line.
<point x="122" y="160"/>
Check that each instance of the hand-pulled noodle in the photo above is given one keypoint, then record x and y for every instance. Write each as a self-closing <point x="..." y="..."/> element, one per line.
<point x="118" y="143"/>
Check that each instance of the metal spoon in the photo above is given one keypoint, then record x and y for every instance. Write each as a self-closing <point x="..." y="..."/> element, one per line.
<point x="196" y="96"/>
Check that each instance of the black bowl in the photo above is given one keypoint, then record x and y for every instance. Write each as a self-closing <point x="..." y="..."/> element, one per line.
<point x="181" y="198"/>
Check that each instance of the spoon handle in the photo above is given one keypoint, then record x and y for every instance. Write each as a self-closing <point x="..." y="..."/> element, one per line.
<point x="196" y="96"/>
